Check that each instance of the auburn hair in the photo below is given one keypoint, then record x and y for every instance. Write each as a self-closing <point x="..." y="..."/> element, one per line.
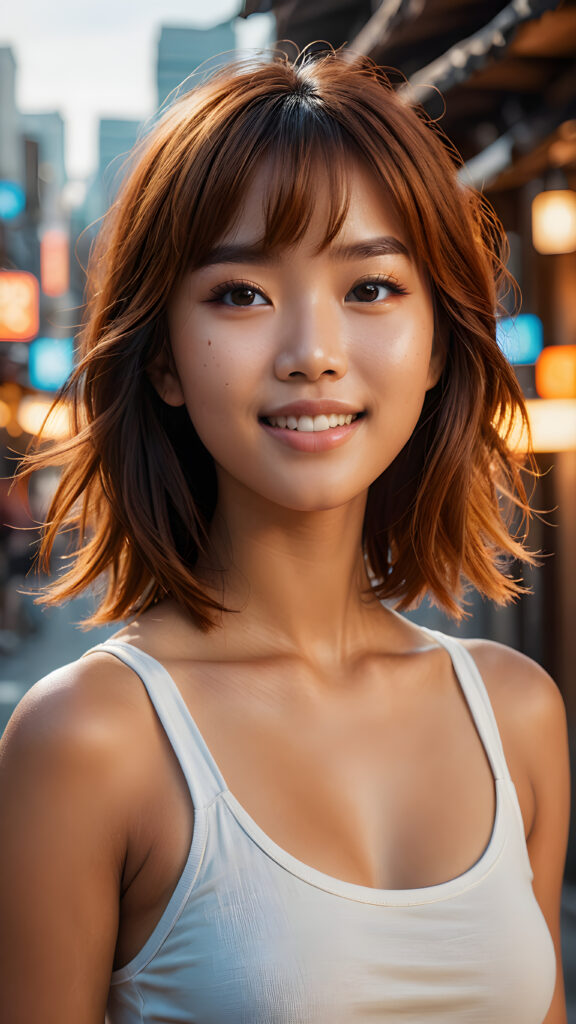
<point x="137" y="486"/>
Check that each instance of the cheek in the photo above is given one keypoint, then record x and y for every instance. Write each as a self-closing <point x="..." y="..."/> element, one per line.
<point x="397" y="373"/>
<point x="398" y="357"/>
<point x="218" y="378"/>
<point x="213" y="354"/>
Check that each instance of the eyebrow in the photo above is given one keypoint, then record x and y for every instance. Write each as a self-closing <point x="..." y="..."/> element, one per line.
<point x="386" y="245"/>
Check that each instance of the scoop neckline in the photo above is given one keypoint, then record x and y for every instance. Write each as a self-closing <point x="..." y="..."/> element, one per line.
<point x="314" y="876"/>
<point x="364" y="893"/>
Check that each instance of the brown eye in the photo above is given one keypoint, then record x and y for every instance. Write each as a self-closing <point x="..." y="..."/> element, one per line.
<point x="367" y="292"/>
<point x="374" y="289"/>
<point x="242" y="296"/>
<point x="239" y="295"/>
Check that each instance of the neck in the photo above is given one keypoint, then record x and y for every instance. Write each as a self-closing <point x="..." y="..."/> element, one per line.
<point x="297" y="579"/>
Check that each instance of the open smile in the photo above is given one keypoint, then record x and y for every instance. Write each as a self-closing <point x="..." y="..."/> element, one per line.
<point x="311" y="424"/>
<point x="298" y="428"/>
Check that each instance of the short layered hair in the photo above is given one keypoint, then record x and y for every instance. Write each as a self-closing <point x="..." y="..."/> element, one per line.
<point x="137" y="485"/>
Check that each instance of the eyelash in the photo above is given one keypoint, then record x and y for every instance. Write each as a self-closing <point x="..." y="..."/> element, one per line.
<point x="220" y="290"/>
<point x="382" y="279"/>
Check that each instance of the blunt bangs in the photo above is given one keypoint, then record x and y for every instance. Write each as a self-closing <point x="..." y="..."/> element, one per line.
<point x="299" y="147"/>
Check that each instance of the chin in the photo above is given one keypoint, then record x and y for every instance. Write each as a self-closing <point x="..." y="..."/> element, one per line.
<point x="293" y="491"/>
<point x="324" y="500"/>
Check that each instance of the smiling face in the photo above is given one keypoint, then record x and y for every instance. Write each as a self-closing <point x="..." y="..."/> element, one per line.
<point x="304" y="371"/>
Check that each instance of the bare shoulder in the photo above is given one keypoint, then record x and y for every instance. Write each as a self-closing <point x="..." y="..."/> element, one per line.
<point x="519" y="687"/>
<point x="81" y="716"/>
<point x="529" y="708"/>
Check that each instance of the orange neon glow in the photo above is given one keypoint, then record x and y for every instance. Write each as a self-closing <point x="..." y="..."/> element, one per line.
<point x="19" y="305"/>
<point x="556" y="372"/>
<point x="54" y="263"/>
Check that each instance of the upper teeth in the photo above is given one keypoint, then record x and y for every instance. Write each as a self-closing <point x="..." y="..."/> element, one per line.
<point x="310" y="423"/>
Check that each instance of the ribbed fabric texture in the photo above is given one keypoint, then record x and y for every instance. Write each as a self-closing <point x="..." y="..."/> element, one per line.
<point x="252" y="935"/>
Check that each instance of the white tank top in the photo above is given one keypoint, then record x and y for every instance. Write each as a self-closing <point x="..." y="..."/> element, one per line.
<point x="251" y="935"/>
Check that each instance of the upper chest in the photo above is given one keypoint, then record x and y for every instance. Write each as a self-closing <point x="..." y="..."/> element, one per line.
<point x="377" y="779"/>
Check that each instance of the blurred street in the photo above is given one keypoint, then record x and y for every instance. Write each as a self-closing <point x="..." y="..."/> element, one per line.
<point x="54" y="641"/>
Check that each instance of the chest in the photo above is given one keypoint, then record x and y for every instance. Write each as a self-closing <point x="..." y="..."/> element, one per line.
<point x="388" y="788"/>
<point x="259" y="939"/>
<point x="386" y="794"/>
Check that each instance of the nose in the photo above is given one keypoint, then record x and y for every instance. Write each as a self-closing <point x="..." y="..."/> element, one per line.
<point x="312" y="344"/>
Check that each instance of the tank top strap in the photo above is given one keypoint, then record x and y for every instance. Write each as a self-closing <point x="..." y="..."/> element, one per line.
<point x="476" y="695"/>
<point x="198" y="766"/>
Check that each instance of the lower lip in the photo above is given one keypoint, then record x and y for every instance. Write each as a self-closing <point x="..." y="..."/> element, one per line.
<point x="313" y="441"/>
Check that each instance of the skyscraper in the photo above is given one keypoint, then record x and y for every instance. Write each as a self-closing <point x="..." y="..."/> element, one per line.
<point x="11" y="149"/>
<point x="116" y="137"/>
<point x="182" y="50"/>
<point x="115" y="141"/>
<point x="47" y="129"/>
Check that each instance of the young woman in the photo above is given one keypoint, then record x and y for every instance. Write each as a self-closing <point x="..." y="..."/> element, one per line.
<point x="270" y="797"/>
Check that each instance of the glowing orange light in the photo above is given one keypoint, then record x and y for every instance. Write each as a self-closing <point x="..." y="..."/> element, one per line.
<point x="554" y="221"/>
<point x="54" y="263"/>
<point x="556" y="372"/>
<point x="19" y="310"/>
<point x="34" y="415"/>
<point x="552" y="426"/>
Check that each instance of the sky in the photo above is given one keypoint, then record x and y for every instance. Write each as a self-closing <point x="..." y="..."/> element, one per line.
<point x="91" y="60"/>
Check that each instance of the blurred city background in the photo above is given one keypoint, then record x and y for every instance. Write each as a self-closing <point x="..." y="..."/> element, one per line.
<point x="78" y="87"/>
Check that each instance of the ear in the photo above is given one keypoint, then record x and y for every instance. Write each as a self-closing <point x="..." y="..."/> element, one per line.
<point x="164" y="378"/>
<point x="436" y="364"/>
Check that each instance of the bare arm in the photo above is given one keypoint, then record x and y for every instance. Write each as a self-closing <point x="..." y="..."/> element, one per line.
<point x="548" y="837"/>
<point x="63" y="826"/>
<point x="532" y="722"/>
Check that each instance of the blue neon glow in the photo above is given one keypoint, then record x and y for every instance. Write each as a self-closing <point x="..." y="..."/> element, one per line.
<point x="12" y="200"/>
<point x="50" y="362"/>
<point x="520" y="338"/>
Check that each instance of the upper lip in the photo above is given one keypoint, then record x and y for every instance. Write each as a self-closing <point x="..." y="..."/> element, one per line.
<point x="320" y="407"/>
